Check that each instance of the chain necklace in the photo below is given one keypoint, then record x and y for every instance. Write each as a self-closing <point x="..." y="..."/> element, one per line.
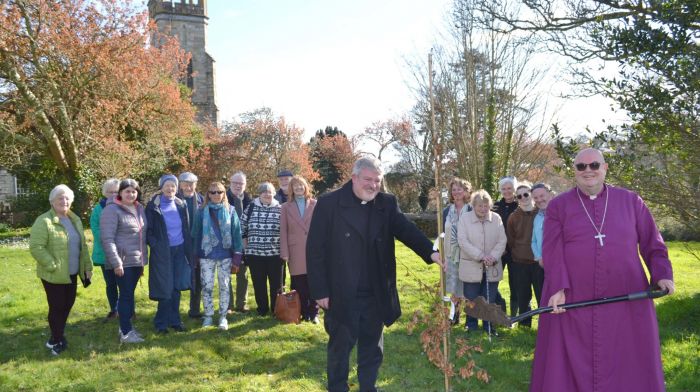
<point x="600" y="235"/>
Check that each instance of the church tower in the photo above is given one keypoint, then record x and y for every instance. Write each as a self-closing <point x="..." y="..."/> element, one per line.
<point x="187" y="20"/>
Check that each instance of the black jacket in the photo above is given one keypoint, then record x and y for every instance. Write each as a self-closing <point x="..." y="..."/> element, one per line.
<point x="239" y="205"/>
<point x="336" y="243"/>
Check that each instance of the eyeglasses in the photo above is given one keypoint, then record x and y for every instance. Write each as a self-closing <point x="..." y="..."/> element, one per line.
<point x="582" y="166"/>
<point x="523" y="195"/>
<point x="215" y="192"/>
<point x="237" y="183"/>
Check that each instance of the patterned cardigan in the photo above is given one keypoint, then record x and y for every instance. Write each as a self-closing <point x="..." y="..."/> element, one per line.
<point x="260" y="226"/>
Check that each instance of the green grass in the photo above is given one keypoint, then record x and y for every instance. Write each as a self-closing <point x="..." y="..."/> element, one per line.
<point x="259" y="354"/>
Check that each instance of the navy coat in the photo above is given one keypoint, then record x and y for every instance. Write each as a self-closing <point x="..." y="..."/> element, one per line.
<point x="337" y="241"/>
<point x="166" y="274"/>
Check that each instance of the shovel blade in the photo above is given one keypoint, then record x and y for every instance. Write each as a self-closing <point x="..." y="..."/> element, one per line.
<point x="479" y="308"/>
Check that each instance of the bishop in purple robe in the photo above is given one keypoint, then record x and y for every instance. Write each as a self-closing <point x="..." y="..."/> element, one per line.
<point x="593" y="236"/>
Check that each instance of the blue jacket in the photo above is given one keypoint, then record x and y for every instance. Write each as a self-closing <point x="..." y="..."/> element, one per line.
<point x="166" y="274"/>
<point x="236" y="241"/>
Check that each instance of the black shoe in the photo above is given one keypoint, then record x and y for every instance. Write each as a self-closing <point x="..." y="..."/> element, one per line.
<point x="162" y="331"/>
<point x="178" y="328"/>
<point x="57" y="348"/>
<point x="111" y="315"/>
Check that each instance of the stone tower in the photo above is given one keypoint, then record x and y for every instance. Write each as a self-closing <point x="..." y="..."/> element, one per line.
<point x="187" y="20"/>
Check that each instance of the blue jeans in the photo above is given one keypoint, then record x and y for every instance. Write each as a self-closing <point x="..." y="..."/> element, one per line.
<point x="125" y="303"/>
<point x="110" y="287"/>
<point x="473" y="290"/>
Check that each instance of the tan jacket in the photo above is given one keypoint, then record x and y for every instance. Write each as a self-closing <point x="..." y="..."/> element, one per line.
<point x="293" y="232"/>
<point x="477" y="239"/>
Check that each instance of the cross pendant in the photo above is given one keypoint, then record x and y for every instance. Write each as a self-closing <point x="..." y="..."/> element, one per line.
<point x="600" y="237"/>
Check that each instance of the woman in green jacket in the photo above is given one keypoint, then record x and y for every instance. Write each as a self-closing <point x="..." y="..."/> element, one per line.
<point x="57" y="243"/>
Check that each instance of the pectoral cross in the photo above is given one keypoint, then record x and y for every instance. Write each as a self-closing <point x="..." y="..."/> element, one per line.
<point x="600" y="237"/>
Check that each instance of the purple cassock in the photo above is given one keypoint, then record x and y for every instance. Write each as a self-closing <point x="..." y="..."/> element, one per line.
<point x="613" y="347"/>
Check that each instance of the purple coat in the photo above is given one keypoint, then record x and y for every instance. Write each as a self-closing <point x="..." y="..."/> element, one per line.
<point x="613" y="347"/>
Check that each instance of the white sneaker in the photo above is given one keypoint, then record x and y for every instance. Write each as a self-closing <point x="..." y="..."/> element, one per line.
<point x="119" y="332"/>
<point x="207" y="322"/>
<point x="223" y="324"/>
<point x="131" y="337"/>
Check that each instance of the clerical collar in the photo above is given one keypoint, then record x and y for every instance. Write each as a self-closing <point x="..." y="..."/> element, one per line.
<point x="357" y="199"/>
<point x="593" y="197"/>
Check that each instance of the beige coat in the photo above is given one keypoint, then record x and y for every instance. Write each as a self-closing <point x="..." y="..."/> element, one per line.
<point x="293" y="232"/>
<point x="477" y="239"/>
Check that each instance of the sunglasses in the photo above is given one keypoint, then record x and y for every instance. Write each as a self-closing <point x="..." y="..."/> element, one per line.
<point x="582" y="166"/>
<point x="215" y="192"/>
<point x="524" y="195"/>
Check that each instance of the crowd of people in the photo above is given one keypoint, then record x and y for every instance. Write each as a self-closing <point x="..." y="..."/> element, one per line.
<point x="186" y="240"/>
<point x="340" y="255"/>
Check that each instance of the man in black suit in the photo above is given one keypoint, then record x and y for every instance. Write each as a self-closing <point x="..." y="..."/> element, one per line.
<point x="239" y="199"/>
<point x="351" y="269"/>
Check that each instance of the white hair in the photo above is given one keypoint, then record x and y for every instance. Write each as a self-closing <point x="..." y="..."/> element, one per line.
<point x="111" y="183"/>
<point x="265" y="186"/>
<point x="238" y="174"/>
<point x="370" y="163"/>
<point x="507" y="180"/>
<point x="59" y="190"/>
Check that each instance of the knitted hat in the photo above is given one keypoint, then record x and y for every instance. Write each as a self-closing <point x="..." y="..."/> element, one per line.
<point x="165" y="178"/>
<point x="285" y="173"/>
<point x="187" y="177"/>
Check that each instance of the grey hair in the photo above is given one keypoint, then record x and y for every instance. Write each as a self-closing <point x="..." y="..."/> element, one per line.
<point x="59" y="190"/>
<point x="507" y="180"/>
<point x="239" y="174"/>
<point x="480" y="196"/>
<point x="112" y="182"/>
<point x="370" y="163"/>
<point x="542" y="185"/>
<point x="265" y="186"/>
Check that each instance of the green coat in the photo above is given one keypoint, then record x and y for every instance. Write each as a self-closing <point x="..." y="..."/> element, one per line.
<point x="98" y="254"/>
<point x="48" y="243"/>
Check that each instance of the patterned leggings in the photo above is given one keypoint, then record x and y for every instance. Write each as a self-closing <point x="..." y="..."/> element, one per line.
<point x="208" y="268"/>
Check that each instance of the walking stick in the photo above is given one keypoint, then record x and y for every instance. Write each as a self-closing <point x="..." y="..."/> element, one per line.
<point x="479" y="308"/>
<point x="437" y="152"/>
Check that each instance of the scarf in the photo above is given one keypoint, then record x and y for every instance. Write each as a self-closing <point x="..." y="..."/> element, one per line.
<point x="209" y="238"/>
<point x="453" y="217"/>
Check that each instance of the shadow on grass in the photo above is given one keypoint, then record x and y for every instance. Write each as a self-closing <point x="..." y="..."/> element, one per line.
<point x="678" y="315"/>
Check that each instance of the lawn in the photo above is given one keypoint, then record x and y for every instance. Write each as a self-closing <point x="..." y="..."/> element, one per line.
<point x="259" y="354"/>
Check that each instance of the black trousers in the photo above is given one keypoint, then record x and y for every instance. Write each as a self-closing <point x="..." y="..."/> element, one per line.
<point x="196" y="293"/>
<point x="264" y="269"/>
<point x="512" y="285"/>
<point x="364" y="328"/>
<point x="528" y="278"/>
<point x="309" y="308"/>
<point x="61" y="298"/>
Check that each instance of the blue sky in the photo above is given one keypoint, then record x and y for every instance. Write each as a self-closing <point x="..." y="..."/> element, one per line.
<point x="339" y="63"/>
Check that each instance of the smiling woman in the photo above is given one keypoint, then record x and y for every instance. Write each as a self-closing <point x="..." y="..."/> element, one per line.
<point x="216" y="234"/>
<point x="123" y="235"/>
<point x="58" y="245"/>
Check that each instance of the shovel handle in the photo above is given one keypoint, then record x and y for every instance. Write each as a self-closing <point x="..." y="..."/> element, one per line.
<point x="646" y="294"/>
